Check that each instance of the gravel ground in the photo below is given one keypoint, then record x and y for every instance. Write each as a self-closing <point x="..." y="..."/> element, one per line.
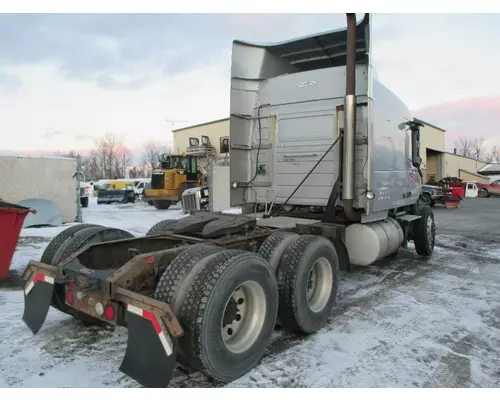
<point x="404" y="322"/>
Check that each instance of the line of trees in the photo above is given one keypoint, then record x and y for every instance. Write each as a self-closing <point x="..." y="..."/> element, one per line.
<point x="111" y="159"/>
<point x="475" y="148"/>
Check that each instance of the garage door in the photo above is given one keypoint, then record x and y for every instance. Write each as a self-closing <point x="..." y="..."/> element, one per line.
<point x="432" y="166"/>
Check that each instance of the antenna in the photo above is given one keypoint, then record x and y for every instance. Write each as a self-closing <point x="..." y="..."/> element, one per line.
<point x="174" y="121"/>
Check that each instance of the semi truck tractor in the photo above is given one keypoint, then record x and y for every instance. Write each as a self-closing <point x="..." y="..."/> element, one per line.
<point x="328" y="153"/>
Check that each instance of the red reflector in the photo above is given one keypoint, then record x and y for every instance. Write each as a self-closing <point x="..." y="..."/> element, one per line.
<point x="149" y="260"/>
<point x="110" y="313"/>
<point x="69" y="296"/>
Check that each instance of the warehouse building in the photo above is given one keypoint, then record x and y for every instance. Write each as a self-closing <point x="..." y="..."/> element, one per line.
<point x="216" y="131"/>
<point x="437" y="163"/>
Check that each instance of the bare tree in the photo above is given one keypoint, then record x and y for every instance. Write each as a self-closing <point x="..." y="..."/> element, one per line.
<point x="112" y="155"/>
<point x="122" y="159"/>
<point x="151" y="153"/>
<point x="477" y="149"/>
<point x="71" y="154"/>
<point x="488" y="158"/>
<point x="464" y="146"/>
<point x="472" y="148"/>
<point x="495" y="154"/>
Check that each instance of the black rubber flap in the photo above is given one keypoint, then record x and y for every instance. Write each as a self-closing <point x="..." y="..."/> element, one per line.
<point x="37" y="304"/>
<point x="146" y="359"/>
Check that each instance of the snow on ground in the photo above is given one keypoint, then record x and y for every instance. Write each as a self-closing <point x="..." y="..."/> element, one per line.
<point x="403" y="322"/>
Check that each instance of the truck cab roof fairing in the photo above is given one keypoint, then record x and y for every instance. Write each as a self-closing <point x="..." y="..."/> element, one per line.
<point x="321" y="50"/>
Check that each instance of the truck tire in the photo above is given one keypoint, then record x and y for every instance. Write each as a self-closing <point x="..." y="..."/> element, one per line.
<point x="84" y="201"/>
<point x="424" y="232"/>
<point x="72" y="244"/>
<point x="179" y="274"/>
<point x="177" y="278"/>
<point x="58" y="240"/>
<point x="483" y="193"/>
<point x="273" y="248"/>
<point x="240" y="289"/>
<point x="89" y="236"/>
<point x="186" y="347"/>
<point x="161" y="226"/>
<point x="308" y="278"/>
<point x="427" y="198"/>
<point x="162" y="204"/>
<point x="61" y="253"/>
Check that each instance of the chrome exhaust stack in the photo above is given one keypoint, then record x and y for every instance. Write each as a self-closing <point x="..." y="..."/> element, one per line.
<point x="348" y="170"/>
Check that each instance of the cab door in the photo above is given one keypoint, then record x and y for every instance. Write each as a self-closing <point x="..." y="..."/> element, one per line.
<point x="471" y="190"/>
<point x="192" y="169"/>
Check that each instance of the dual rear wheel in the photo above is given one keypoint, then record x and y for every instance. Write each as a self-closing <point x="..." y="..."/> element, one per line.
<point x="228" y="301"/>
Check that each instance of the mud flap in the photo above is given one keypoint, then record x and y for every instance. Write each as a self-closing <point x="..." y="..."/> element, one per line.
<point x="37" y="300"/>
<point x="150" y="357"/>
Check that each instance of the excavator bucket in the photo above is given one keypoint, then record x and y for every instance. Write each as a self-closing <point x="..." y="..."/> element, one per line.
<point x="150" y="357"/>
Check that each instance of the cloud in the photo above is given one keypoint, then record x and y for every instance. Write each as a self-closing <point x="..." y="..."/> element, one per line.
<point x="99" y="47"/>
<point x="84" y="137"/>
<point x="473" y="118"/>
<point x="88" y="47"/>
<point x="52" y="133"/>
<point x="9" y="83"/>
<point x="108" y="82"/>
<point x="89" y="74"/>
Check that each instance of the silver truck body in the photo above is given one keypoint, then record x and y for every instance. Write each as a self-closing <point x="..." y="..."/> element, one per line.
<point x="287" y="102"/>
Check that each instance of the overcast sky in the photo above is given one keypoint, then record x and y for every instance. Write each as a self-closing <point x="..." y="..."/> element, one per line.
<point x="67" y="79"/>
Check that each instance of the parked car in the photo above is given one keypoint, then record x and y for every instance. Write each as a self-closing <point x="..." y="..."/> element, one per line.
<point x="432" y="194"/>
<point x="487" y="189"/>
<point x="114" y="191"/>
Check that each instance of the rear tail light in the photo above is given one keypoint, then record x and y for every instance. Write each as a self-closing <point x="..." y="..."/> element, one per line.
<point x="109" y="312"/>
<point x="69" y="296"/>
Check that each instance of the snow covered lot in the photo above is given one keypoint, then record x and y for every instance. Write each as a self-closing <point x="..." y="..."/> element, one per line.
<point x="405" y="322"/>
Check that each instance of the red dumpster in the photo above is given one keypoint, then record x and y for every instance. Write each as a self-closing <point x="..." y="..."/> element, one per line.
<point x="11" y="220"/>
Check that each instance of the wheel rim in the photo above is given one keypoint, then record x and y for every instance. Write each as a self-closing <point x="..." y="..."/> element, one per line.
<point x="244" y="316"/>
<point x="319" y="286"/>
<point x="431" y="229"/>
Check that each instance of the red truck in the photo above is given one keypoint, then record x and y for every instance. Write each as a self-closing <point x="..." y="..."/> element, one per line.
<point x="487" y="189"/>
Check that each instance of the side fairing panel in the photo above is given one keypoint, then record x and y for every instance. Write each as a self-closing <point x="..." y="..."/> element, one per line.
<point x="391" y="172"/>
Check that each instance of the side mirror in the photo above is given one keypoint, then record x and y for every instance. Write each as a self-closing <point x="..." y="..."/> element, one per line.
<point x="416" y="160"/>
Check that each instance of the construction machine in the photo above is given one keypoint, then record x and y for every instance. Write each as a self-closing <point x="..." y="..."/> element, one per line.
<point x="331" y="153"/>
<point x="177" y="173"/>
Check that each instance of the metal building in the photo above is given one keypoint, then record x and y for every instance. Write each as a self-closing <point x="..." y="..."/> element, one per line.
<point x="216" y="131"/>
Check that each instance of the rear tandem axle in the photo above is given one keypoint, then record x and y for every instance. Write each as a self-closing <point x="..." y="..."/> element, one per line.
<point x="205" y="291"/>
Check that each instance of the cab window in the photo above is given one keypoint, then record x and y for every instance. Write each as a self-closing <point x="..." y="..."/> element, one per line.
<point x="192" y="165"/>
